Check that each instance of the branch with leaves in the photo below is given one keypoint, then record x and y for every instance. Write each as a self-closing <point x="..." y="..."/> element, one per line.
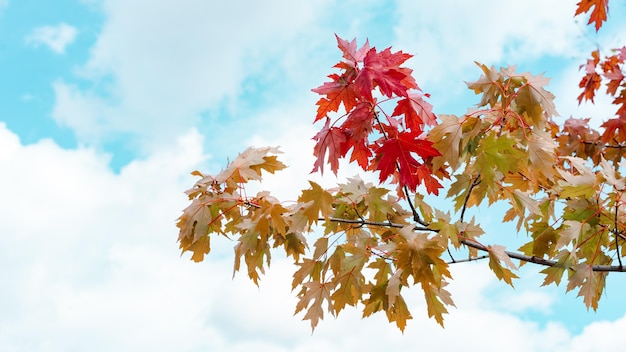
<point x="361" y="244"/>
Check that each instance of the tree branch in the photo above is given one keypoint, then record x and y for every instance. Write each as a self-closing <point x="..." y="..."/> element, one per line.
<point x="476" y="245"/>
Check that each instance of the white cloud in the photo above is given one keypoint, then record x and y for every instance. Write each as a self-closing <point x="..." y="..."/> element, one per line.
<point x="448" y="36"/>
<point x="180" y="59"/>
<point x="56" y="38"/>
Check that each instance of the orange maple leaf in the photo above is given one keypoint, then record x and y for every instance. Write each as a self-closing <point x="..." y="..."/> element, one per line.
<point x="598" y="14"/>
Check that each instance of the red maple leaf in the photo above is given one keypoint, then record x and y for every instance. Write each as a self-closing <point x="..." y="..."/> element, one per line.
<point x="425" y="176"/>
<point x="615" y="81"/>
<point x="329" y="139"/>
<point x="339" y="90"/>
<point x="358" y="124"/>
<point x="613" y="126"/>
<point x="357" y="127"/>
<point x="383" y="70"/>
<point x="361" y="153"/>
<point x="397" y="155"/>
<point x="590" y="83"/>
<point x="350" y="52"/>
<point x="598" y="14"/>
<point x="621" y="101"/>
<point x="417" y="112"/>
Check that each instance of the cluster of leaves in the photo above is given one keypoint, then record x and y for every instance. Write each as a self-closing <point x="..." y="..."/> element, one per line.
<point x="560" y="184"/>
<point x="401" y="150"/>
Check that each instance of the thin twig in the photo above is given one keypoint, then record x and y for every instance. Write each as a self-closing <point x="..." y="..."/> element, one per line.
<point x="468" y="259"/>
<point x="416" y="216"/>
<point x="619" y="257"/>
<point x="600" y="144"/>
<point x="475" y="183"/>
<point x="480" y="247"/>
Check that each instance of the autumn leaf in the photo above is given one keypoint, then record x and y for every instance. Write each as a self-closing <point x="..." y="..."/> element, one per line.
<point x="497" y="154"/>
<point x="598" y="14"/>
<point x="446" y="138"/>
<point x="402" y="150"/>
<point x="357" y="127"/>
<point x="417" y="112"/>
<point x="488" y="84"/>
<point x="315" y="294"/>
<point x="571" y="230"/>
<point x="319" y="202"/>
<point x="436" y="300"/>
<point x="579" y="184"/>
<point x="340" y="90"/>
<point x="329" y="139"/>
<point x="350" y="52"/>
<point x="382" y="70"/>
<point x="591" y="284"/>
<point x="248" y="165"/>
<point x="533" y="93"/>
<point x="590" y="83"/>
<point x="555" y="272"/>
<point x="615" y="129"/>
<point x="497" y="255"/>
<point x="541" y="153"/>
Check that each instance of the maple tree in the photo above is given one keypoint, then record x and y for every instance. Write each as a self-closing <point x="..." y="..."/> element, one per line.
<point x="361" y="244"/>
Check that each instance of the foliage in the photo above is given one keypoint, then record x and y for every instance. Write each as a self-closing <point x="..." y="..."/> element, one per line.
<point x="562" y="184"/>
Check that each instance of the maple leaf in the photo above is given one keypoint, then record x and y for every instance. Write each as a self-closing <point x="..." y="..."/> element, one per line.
<point x="348" y="278"/>
<point x="340" y="90"/>
<point x="447" y="138"/>
<point x="329" y="139"/>
<point x="555" y="273"/>
<point x="598" y="14"/>
<point x="487" y="84"/>
<point x="358" y="123"/>
<point x="615" y="81"/>
<point x="611" y="176"/>
<point x="541" y="153"/>
<point x="571" y="230"/>
<point x="350" y="52"/>
<point x="591" y="284"/>
<point x="393" y="287"/>
<point x="399" y="313"/>
<point x="615" y="128"/>
<point x="590" y="83"/>
<point x="446" y="230"/>
<point x="357" y="127"/>
<point x="200" y="247"/>
<point x="248" y="165"/>
<point x="543" y="241"/>
<point x="417" y="112"/>
<point x="315" y="293"/>
<point x="575" y="126"/>
<point x="497" y="153"/>
<point x="383" y="70"/>
<point x="497" y="254"/>
<point x="318" y="201"/>
<point x="400" y="150"/>
<point x="436" y="297"/>
<point x="577" y="185"/>
<point x="198" y="219"/>
<point x="533" y="93"/>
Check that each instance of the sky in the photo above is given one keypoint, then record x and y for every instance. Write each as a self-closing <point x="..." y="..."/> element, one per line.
<point x="106" y="106"/>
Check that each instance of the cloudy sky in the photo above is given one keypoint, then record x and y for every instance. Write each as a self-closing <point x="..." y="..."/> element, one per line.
<point x="106" y="106"/>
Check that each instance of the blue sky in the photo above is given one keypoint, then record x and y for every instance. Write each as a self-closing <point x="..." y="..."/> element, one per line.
<point x="106" y="106"/>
